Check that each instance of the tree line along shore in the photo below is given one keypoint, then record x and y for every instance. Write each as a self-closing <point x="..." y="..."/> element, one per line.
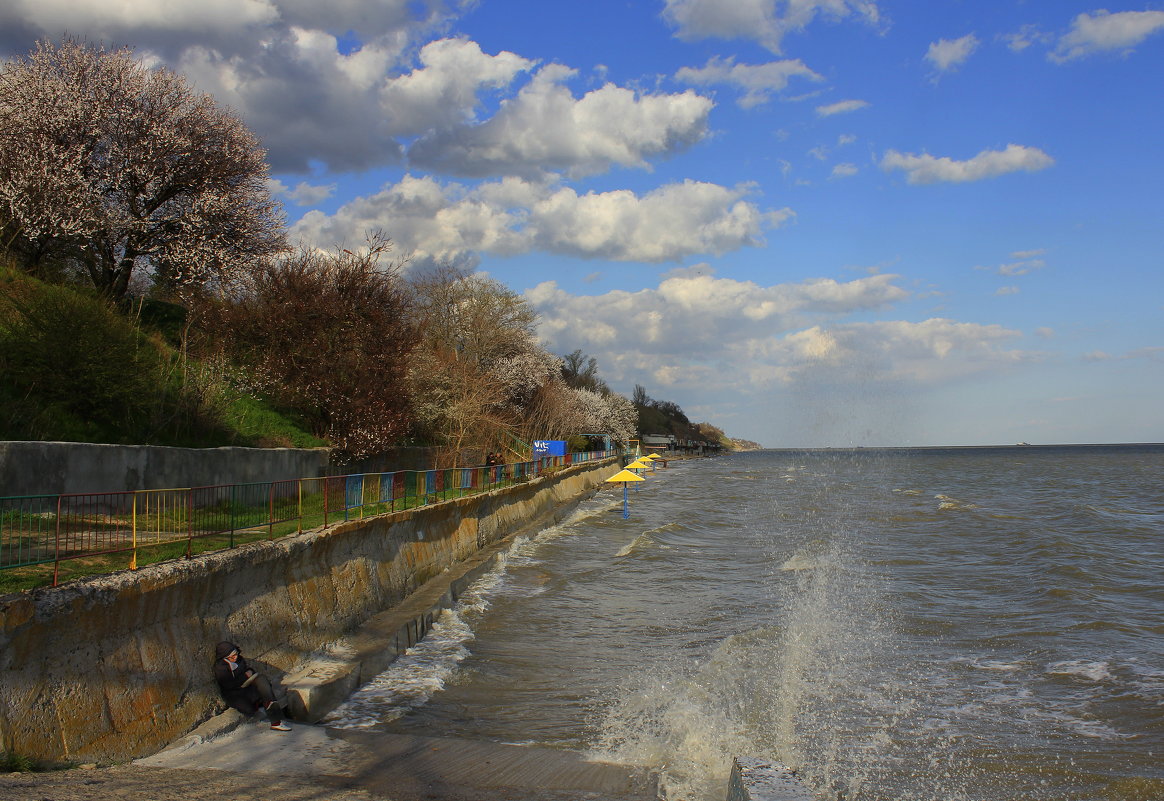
<point x="149" y="295"/>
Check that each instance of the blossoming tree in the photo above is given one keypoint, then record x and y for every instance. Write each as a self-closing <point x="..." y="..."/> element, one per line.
<point x="108" y="167"/>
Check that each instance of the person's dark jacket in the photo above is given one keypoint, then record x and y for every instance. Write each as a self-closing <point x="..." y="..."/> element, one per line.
<point x="244" y="699"/>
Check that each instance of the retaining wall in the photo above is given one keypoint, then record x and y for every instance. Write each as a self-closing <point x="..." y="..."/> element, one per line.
<point x="56" y="468"/>
<point x="117" y="667"/>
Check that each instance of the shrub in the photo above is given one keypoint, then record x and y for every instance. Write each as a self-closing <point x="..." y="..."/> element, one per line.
<point x="328" y="336"/>
<point x="72" y="366"/>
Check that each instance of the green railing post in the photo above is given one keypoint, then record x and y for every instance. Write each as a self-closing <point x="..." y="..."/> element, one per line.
<point x="233" y="510"/>
<point x="190" y="523"/>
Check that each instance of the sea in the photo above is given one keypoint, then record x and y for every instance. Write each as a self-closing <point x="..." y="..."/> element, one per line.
<point x="902" y="624"/>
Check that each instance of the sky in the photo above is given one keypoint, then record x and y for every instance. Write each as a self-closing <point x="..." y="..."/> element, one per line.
<point x="812" y="223"/>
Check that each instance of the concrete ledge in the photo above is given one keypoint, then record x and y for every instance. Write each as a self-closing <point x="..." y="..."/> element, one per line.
<point x="765" y="780"/>
<point x="217" y="726"/>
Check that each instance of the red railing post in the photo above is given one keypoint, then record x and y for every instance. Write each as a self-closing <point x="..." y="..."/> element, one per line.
<point x="57" y="555"/>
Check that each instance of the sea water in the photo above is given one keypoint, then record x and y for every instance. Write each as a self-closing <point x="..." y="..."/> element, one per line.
<point x="929" y="624"/>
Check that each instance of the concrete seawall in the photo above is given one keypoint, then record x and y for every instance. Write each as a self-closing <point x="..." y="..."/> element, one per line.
<point x="119" y="666"/>
<point x="55" y="468"/>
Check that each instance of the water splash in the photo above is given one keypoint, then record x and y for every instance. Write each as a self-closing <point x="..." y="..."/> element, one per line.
<point x="682" y="719"/>
<point x="787" y="691"/>
<point x="830" y="712"/>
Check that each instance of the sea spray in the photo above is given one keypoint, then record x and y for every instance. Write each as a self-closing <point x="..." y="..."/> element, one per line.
<point x="684" y="719"/>
<point x="834" y="642"/>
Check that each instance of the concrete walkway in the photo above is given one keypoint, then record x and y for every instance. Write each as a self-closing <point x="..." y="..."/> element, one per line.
<point x="406" y="767"/>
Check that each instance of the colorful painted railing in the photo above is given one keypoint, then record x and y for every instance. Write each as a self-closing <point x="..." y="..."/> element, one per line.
<point x="44" y="529"/>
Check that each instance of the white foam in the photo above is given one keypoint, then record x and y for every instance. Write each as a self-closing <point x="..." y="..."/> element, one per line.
<point x="946" y="503"/>
<point x="421" y="671"/>
<point x="990" y="664"/>
<point x="634" y="544"/>
<point x="800" y="562"/>
<point x="1094" y="671"/>
<point x="1086" y="727"/>
<point x="1148" y="682"/>
<point x="410" y="680"/>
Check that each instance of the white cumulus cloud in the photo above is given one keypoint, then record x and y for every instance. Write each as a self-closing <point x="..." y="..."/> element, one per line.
<point x="304" y="194"/>
<point x="667" y="224"/>
<point x="455" y="224"/>
<point x="1105" y="32"/>
<point x="546" y="128"/>
<point x="308" y="93"/>
<point x="757" y="81"/>
<point x="945" y="54"/>
<point x="842" y="107"/>
<point x="346" y="87"/>
<point x="764" y="21"/>
<point x="927" y="169"/>
<point x="443" y="90"/>
<point x="695" y="316"/>
<point x="696" y="329"/>
<point x="157" y="20"/>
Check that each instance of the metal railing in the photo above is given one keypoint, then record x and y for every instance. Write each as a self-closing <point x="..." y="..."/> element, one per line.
<point x="43" y="529"/>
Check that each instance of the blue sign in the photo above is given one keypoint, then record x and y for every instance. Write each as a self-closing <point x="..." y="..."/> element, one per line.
<point x="549" y="447"/>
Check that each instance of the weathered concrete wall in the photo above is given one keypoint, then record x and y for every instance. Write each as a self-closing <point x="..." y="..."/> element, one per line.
<point x="116" y="667"/>
<point x="54" y="468"/>
<point x="404" y="457"/>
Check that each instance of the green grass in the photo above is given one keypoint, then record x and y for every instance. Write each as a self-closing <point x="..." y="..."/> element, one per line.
<point x="16" y="763"/>
<point x="74" y="368"/>
<point x="253" y="422"/>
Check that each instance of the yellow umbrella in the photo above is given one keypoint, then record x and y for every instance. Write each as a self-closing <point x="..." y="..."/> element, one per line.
<point x="643" y="463"/>
<point x="625" y="478"/>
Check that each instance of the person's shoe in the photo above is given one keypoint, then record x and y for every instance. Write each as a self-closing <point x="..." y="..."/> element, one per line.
<point x="280" y="726"/>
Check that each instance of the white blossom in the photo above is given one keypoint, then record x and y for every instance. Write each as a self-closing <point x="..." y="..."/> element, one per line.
<point x="109" y="166"/>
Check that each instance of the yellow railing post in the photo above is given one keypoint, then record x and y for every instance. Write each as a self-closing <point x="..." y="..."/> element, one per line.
<point x="133" y="530"/>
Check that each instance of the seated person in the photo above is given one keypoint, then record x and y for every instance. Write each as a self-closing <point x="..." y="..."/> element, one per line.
<point x="243" y="688"/>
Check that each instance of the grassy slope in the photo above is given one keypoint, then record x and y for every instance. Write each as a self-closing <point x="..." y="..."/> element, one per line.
<point x="73" y="370"/>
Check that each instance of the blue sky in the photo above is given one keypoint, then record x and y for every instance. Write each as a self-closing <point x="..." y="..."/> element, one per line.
<point x="810" y="222"/>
